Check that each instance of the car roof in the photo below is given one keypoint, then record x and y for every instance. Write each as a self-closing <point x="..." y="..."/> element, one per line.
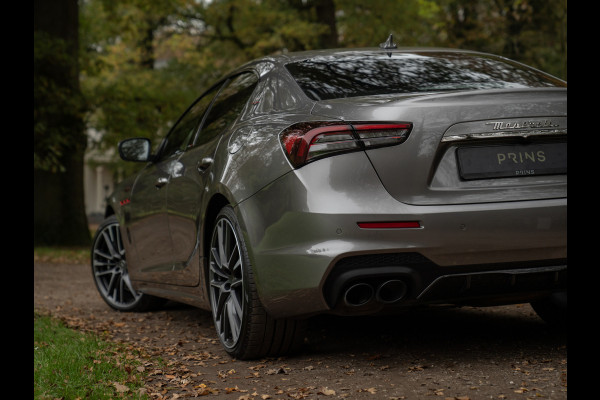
<point x="283" y="58"/>
<point x="366" y="51"/>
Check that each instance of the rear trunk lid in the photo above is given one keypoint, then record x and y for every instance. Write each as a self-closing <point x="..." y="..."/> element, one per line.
<point x="467" y="147"/>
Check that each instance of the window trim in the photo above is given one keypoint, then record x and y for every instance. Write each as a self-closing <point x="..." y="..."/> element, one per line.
<point x="220" y="84"/>
<point x="225" y="81"/>
<point x="159" y="153"/>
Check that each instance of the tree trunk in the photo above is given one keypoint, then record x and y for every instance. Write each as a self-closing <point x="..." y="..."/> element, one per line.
<point x="326" y="15"/>
<point x="59" y="211"/>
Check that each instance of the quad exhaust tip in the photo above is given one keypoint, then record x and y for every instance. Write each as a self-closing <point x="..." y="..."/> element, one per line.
<point x="359" y="294"/>
<point x="388" y="292"/>
<point x="391" y="291"/>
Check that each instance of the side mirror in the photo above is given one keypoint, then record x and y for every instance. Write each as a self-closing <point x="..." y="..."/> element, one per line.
<point x="135" y="149"/>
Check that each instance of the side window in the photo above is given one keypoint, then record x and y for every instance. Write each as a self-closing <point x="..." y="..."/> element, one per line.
<point x="227" y="106"/>
<point x="184" y="130"/>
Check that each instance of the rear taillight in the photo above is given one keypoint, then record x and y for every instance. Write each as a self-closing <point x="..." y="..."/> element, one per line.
<point x="308" y="141"/>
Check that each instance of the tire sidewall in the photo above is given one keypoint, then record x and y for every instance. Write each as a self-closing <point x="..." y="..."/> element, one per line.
<point x="248" y="281"/>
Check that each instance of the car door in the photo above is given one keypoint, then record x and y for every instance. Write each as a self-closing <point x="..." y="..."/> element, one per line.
<point x="149" y="224"/>
<point x="187" y="188"/>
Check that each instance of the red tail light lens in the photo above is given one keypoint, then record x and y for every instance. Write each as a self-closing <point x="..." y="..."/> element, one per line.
<point x="307" y="141"/>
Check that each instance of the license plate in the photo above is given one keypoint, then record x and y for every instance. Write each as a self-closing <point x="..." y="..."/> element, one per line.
<point x="484" y="162"/>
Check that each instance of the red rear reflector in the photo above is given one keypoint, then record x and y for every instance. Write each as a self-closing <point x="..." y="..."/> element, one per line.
<point x="389" y="225"/>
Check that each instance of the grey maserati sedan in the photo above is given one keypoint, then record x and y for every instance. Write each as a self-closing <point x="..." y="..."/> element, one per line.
<point x="349" y="182"/>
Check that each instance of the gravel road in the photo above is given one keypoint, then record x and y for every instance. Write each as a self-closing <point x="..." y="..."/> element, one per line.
<point x="460" y="353"/>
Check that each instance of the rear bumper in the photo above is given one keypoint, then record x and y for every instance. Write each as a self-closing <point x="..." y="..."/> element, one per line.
<point x="302" y="232"/>
<point x="370" y="283"/>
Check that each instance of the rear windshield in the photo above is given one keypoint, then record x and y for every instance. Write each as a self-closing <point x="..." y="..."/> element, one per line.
<point x="351" y="75"/>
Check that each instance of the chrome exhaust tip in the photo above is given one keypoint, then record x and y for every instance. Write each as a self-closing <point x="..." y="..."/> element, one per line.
<point x="391" y="291"/>
<point x="358" y="295"/>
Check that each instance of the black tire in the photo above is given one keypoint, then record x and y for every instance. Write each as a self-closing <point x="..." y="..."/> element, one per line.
<point x="245" y="329"/>
<point x="552" y="309"/>
<point x="109" y="269"/>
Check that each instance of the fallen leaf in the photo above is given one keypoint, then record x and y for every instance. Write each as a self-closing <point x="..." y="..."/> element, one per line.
<point x="120" y="388"/>
<point x="205" y="390"/>
<point x="327" y="392"/>
<point x="274" y="371"/>
<point x="257" y="367"/>
<point x="371" y="390"/>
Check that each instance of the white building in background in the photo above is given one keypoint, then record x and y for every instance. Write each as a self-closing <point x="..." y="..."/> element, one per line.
<point x="98" y="181"/>
<point x="97" y="185"/>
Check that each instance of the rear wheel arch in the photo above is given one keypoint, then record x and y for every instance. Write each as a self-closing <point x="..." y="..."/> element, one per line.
<point x="215" y="205"/>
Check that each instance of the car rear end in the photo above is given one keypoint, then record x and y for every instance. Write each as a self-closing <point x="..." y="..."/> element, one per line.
<point x="447" y="185"/>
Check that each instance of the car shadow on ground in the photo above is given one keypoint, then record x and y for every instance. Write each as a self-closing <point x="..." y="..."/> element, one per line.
<point x="475" y="333"/>
<point x="512" y="330"/>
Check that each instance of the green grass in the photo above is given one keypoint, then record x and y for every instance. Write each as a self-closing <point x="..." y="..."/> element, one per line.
<point x="70" y="364"/>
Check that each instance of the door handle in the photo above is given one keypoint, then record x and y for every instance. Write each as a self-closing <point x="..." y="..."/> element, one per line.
<point x="160" y="182"/>
<point x="204" y="164"/>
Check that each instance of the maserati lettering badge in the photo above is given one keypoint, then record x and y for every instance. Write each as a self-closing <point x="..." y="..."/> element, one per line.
<point x="502" y="126"/>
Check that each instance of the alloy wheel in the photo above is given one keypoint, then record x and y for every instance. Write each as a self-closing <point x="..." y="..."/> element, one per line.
<point x="109" y="267"/>
<point x="226" y="283"/>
